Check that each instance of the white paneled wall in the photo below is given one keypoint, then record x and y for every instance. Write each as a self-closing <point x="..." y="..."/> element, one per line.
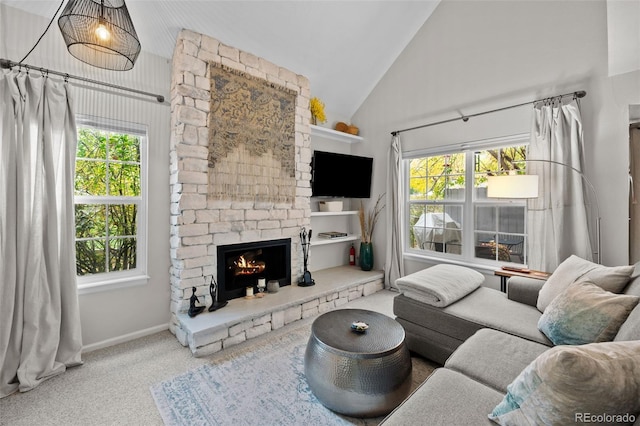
<point x="116" y="314"/>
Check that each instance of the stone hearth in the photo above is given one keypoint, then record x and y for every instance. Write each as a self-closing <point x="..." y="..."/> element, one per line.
<point x="243" y="319"/>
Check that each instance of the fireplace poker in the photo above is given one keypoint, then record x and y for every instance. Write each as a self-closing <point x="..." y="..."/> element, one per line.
<point x="305" y="241"/>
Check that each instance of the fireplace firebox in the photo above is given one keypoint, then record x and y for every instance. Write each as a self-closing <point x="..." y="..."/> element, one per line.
<point x="240" y="266"/>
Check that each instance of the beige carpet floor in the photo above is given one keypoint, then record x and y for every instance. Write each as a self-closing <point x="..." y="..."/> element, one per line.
<point x="112" y="387"/>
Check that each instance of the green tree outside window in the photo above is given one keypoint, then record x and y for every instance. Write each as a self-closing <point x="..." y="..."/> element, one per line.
<point x="107" y="191"/>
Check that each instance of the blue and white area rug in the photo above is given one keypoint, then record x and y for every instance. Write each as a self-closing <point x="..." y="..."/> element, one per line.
<point x="258" y="384"/>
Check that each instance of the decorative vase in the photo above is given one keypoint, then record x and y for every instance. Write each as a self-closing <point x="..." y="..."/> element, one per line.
<point x="366" y="256"/>
<point x="314" y="120"/>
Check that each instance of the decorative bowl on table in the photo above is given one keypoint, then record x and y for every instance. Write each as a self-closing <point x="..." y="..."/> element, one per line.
<point x="359" y="326"/>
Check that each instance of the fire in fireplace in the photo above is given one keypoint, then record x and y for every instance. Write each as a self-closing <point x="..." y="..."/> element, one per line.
<point x="240" y="266"/>
<point x="246" y="264"/>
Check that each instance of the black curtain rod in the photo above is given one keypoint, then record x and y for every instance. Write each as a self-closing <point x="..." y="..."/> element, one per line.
<point x="6" y="63"/>
<point x="465" y="118"/>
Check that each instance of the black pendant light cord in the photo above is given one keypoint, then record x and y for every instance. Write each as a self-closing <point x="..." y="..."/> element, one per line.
<point x="45" y="31"/>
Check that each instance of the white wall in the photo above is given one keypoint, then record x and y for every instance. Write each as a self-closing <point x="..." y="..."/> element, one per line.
<point x="474" y="56"/>
<point x="623" y="18"/>
<point x="114" y="315"/>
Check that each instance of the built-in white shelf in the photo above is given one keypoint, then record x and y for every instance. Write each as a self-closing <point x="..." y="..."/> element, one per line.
<point x="340" y="213"/>
<point x="325" y="132"/>
<point x="324" y="241"/>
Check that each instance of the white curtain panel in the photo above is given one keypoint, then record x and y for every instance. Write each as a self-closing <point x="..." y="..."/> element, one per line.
<point x="394" y="266"/>
<point x="558" y="219"/>
<point x="39" y="313"/>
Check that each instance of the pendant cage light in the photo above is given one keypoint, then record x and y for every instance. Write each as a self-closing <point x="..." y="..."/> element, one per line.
<point x="100" y="33"/>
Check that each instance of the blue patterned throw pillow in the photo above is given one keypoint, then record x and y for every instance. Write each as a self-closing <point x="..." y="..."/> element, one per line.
<point x="585" y="313"/>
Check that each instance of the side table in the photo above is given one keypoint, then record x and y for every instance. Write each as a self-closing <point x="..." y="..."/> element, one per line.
<point x="358" y="374"/>
<point x="505" y="274"/>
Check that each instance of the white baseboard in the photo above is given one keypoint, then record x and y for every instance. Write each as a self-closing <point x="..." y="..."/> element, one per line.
<point x="125" y="338"/>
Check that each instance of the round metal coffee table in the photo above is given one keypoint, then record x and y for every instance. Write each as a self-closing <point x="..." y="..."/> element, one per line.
<point x="358" y="374"/>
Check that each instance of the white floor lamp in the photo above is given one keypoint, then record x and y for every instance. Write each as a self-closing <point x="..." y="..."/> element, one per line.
<point x="526" y="186"/>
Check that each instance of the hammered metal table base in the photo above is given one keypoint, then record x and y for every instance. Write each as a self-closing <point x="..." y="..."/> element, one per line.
<point x="359" y="375"/>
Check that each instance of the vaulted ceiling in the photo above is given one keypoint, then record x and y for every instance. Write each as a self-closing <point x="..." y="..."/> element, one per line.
<point x="343" y="47"/>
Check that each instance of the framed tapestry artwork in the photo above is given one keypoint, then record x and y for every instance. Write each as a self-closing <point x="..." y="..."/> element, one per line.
<point x="251" y="138"/>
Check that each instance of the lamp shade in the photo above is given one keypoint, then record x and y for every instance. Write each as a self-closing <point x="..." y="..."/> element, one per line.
<point x="100" y="33"/>
<point x="512" y="186"/>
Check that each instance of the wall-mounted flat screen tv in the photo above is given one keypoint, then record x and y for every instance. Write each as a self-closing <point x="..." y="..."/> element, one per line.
<point x="340" y="175"/>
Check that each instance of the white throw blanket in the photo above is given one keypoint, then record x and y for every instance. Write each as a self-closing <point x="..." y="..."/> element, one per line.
<point x="440" y="285"/>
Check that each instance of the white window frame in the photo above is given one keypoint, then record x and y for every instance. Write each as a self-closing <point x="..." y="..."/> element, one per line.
<point x="137" y="276"/>
<point x="467" y="257"/>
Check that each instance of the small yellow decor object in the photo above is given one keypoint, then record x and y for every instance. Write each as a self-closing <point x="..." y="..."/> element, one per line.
<point x="368" y="220"/>
<point x="317" y="111"/>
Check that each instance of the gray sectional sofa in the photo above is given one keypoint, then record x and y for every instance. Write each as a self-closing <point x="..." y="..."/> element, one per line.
<point x="484" y="341"/>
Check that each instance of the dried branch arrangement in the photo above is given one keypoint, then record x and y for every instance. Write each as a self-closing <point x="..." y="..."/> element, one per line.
<point x="369" y="219"/>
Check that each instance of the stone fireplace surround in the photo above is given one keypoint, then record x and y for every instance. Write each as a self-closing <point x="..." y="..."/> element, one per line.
<point x="200" y="224"/>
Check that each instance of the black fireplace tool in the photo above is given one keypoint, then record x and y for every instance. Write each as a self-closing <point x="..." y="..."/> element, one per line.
<point x="305" y="241"/>
<point x="213" y="290"/>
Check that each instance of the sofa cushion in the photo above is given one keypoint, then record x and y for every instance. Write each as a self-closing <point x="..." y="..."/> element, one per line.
<point x="585" y="313"/>
<point x="524" y="289"/>
<point x="491" y="309"/>
<point x="483" y="308"/>
<point x="574" y="268"/>
<point x="429" y="343"/>
<point x="633" y="287"/>
<point x="433" y="318"/>
<point x="446" y="398"/>
<point x="494" y="358"/>
<point x="568" y="381"/>
<point x="630" y="329"/>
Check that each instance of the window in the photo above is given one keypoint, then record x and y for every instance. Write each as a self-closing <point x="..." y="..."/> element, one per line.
<point x="110" y="201"/>
<point x="447" y="217"/>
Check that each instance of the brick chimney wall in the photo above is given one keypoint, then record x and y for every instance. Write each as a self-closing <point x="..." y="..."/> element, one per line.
<point x="199" y="224"/>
